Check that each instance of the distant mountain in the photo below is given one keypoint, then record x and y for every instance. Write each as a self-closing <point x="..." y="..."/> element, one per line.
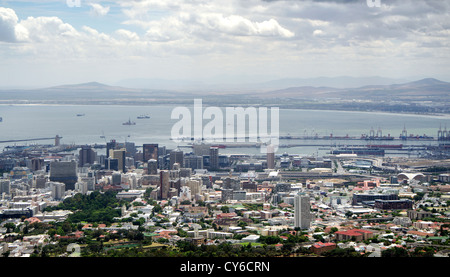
<point x="421" y="89"/>
<point x="247" y="83"/>
<point x="334" y="82"/>
<point x="91" y="86"/>
<point x="428" y="89"/>
<point x="92" y="92"/>
<point x="161" y="84"/>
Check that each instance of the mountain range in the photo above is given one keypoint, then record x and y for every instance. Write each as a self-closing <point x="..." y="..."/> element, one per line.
<point x="428" y="89"/>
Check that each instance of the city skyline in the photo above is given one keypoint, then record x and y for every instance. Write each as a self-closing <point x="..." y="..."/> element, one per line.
<point x="45" y="43"/>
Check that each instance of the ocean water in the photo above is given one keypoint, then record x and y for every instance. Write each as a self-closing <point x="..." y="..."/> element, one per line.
<point x="47" y="121"/>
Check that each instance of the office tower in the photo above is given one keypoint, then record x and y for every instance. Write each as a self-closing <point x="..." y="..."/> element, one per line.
<point x="130" y="149"/>
<point x="162" y="151"/>
<point x="270" y="157"/>
<point x="176" y="156"/>
<point x="302" y="215"/>
<point x="193" y="161"/>
<point x="185" y="172"/>
<point x="213" y="158"/>
<point x="64" y="172"/>
<point x="37" y="164"/>
<point x="164" y="184"/>
<point x="227" y="194"/>
<point x="150" y="152"/>
<point x="57" y="189"/>
<point x="152" y="167"/>
<point x="194" y="186"/>
<point x="81" y="187"/>
<point x="86" y="156"/>
<point x="39" y="181"/>
<point x="112" y="164"/>
<point x="201" y="149"/>
<point x="5" y="186"/>
<point x="119" y="154"/>
<point x="116" y="178"/>
<point x="163" y="162"/>
<point x="109" y="146"/>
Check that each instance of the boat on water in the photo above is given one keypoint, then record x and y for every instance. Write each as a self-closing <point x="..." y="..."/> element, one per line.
<point x="143" y="117"/>
<point x="80" y="114"/>
<point x="1" y="119"/>
<point x="129" y="122"/>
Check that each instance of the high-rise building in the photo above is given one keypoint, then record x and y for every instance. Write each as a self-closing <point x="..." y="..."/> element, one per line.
<point x="57" y="189"/>
<point x="193" y="161"/>
<point x="37" y="164"/>
<point x="149" y="152"/>
<point x="39" y="181"/>
<point x="131" y="149"/>
<point x="270" y="157"/>
<point x="152" y="167"/>
<point x="5" y="186"/>
<point x="302" y="214"/>
<point x="176" y="156"/>
<point x="86" y="156"/>
<point x="164" y="184"/>
<point x="64" y="172"/>
<point x="213" y="158"/>
<point x="119" y="154"/>
<point x="111" y="164"/>
<point x="110" y="145"/>
<point x="116" y="178"/>
<point x="201" y="149"/>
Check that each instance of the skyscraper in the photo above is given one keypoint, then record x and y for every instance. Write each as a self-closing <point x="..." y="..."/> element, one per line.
<point x="176" y="156"/>
<point x="110" y="145"/>
<point x="57" y="189"/>
<point x="64" y="172"/>
<point x="213" y="158"/>
<point x="120" y="156"/>
<point x="111" y="164"/>
<point x="152" y="167"/>
<point x="149" y="152"/>
<point x="193" y="161"/>
<point x="5" y="186"/>
<point x="37" y="164"/>
<point x="86" y="156"/>
<point x="165" y="184"/>
<point x="302" y="215"/>
<point x="270" y="157"/>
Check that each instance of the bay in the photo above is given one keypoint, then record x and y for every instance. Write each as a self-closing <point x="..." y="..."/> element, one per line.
<point x="102" y="123"/>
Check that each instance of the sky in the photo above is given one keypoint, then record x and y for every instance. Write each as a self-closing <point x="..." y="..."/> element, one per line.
<point x="46" y="43"/>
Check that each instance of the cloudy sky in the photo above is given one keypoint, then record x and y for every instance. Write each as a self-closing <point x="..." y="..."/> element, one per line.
<point x="72" y="41"/>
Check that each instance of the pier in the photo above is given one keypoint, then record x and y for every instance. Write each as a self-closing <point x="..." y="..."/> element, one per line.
<point x="21" y="140"/>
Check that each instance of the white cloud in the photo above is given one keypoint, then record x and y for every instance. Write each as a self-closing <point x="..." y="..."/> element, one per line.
<point x="205" y="36"/>
<point x="98" y="10"/>
<point x="127" y="35"/>
<point x="10" y="30"/>
<point x="45" y="29"/>
<point x="241" y="26"/>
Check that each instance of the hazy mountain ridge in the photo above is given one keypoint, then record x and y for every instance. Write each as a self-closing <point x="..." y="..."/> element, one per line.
<point x="429" y="88"/>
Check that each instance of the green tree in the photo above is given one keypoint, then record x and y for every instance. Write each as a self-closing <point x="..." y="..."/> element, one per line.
<point x="395" y="252"/>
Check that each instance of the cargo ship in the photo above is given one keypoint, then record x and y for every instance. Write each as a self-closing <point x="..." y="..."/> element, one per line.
<point x="359" y="151"/>
<point x="129" y="122"/>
